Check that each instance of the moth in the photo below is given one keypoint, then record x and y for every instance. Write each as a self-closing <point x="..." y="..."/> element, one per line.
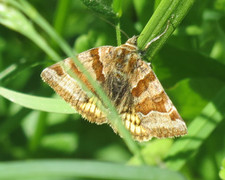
<point x="130" y="83"/>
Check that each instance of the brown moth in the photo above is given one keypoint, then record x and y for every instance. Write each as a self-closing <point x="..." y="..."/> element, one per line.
<point x="129" y="82"/>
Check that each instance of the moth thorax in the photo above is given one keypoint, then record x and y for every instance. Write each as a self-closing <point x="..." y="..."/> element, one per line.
<point x="118" y="85"/>
<point x="131" y="61"/>
<point x="119" y="76"/>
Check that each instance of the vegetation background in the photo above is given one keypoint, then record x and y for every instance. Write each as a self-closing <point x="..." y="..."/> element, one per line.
<point x="42" y="138"/>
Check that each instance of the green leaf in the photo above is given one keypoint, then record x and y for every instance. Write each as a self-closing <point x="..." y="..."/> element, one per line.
<point x="117" y="7"/>
<point x="37" y="103"/>
<point x="201" y="127"/>
<point x="65" y="143"/>
<point x="174" y="64"/>
<point x="197" y="92"/>
<point x="153" y="152"/>
<point x="85" y="169"/>
<point x="101" y="6"/>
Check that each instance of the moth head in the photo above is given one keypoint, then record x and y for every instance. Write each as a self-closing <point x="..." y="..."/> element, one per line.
<point x="132" y="41"/>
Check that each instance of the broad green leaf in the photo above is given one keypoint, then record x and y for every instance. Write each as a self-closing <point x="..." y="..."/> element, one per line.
<point x="173" y="65"/>
<point x="197" y="92"/>
<point x="199" y="129"/>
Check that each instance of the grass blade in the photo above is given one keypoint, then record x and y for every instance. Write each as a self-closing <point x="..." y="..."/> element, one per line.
<point x="37" y="103"/>
<point x="14" y="19"/>
<point x="85" y="169"/>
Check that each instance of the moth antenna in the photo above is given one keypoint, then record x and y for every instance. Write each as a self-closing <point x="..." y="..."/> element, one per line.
<point x="113" y="25"/>
<point x="157" y="37"/>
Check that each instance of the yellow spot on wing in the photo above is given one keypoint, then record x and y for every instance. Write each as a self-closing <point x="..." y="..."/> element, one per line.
<point x="127" y="124"/>
<point x="97" y="112"/>
<point x="92" y="109"/>
<point x="87" y="108"/>
<point x="132" y="128"/>
<point x="138" y="130"/>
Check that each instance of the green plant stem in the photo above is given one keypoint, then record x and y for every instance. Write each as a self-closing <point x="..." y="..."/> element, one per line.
<point x="117" y="8"/>
<point x="118" y="33"/>
<point x="168" y="10"/>
<point x="62" y="10"/>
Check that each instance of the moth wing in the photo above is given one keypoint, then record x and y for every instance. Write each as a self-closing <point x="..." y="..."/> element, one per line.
<point x="154" y="115"/>
<point x="67" y="87"/>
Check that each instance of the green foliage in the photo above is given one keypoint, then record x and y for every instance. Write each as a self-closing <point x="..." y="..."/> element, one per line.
<point x="222" y="171"/>
<point x="191" y="67"/>
<point x="101" y="6"/>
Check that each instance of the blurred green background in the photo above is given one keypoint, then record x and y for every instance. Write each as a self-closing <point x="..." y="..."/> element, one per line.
<point x="191" y="67"/>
